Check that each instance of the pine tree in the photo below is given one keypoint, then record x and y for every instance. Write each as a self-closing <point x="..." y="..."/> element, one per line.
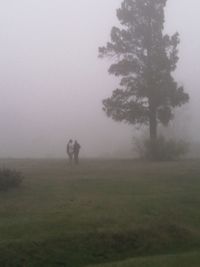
<point x="145" y="58"/>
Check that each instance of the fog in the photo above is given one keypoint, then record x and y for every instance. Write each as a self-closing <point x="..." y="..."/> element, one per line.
<point x="52" y="82"/>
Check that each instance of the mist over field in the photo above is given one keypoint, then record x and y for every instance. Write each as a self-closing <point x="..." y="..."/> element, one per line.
<point x="130" y="202"/>
<point x="52" y="82"/>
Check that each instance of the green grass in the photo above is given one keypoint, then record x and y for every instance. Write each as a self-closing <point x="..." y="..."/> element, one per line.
<point x="191" y="259"/>
<point x="110" y="213"/>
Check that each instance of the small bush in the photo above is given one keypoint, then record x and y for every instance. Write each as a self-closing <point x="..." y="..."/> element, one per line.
<point x="9" y="178"/>
<point x="165" y="149"/>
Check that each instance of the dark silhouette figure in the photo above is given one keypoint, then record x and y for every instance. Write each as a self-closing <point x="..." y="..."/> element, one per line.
<point x="70" y="150"/>
<point x="76" y="152"/>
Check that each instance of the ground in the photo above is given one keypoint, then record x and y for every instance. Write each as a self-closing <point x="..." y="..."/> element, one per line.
<point x="105" y="213"/>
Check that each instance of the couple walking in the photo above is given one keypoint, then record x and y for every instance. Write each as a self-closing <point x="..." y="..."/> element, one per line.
<point x="73" y="151"/>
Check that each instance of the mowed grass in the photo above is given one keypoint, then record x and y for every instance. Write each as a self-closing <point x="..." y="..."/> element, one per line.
<point x="109" y="213"/>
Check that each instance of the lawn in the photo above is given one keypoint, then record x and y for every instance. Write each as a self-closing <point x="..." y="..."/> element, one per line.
<point x="101" y="213"/>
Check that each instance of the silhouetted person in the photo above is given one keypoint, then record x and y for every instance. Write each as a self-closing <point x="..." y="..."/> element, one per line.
<point x="76" y="152"/>
<point x="70" y="150"/>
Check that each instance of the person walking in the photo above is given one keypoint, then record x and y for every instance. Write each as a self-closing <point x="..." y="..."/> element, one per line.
<point x="70" y="150"/>
<point x="76" y="152"/>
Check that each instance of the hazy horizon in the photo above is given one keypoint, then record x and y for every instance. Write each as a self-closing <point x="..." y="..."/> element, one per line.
<point x="52" y="82"/>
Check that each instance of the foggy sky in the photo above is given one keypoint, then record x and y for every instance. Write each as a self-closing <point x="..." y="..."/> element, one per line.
<point x="52" y="82"/>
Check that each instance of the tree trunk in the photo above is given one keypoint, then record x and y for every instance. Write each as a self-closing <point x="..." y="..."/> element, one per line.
<point x="152" y="93"/>
<point x="153" y="126"/>
<point x="153" y="133"/>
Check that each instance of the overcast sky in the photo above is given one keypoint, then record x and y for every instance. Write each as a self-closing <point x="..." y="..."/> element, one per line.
<point x="52" y="81"/>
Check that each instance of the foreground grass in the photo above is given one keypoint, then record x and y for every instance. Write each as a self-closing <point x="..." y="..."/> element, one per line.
<point x="101" y="211"/>
<point x="191" y="259"/>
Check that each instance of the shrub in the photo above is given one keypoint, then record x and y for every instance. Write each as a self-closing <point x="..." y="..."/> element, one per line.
<point x="166" y="149"/>
<point x="9" y="178"/>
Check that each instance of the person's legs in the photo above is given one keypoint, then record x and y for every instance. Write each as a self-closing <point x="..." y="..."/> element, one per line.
<point x="70" y="158"/>
<point x="76" y="158"/>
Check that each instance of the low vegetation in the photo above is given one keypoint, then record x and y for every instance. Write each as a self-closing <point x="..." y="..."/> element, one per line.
<point x="9" y="178"/>
<point x="166" y="149"/>
<point x="102" y="213"/>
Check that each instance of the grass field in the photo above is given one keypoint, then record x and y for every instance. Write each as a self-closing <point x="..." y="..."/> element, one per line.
<point x="102" y="214"/>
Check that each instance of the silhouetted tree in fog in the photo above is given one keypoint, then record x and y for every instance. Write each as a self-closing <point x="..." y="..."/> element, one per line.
<point x="144" y="57"/>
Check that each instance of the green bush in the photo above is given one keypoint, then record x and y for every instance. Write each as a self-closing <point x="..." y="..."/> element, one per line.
<point x="9" y="178"/>
<point x="165" y="149"/>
